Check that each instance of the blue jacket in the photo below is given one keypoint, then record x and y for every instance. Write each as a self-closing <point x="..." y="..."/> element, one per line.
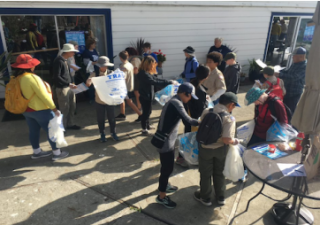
<point x="190" y="68"/>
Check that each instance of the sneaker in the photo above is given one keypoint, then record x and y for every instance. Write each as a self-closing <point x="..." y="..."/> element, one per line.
<point x="206" y="202"/>
<point x="138" y="120"/>
<point x="244" y="178"/>
<point x="221" y="200"/>
<point x="114" y="137"/>
<point x="150" y="127"/>
<point x="180" y="161"/>
<point x="170" y="188"/>
<point x="74" y="127"/>
<point x="166" y="202"/>
<point x="145" y="133"/>
<point x="64" y="154"/>
<point x="41" y="155"/>
<point x="103" y="138"/>
<point x="120" y="117"/>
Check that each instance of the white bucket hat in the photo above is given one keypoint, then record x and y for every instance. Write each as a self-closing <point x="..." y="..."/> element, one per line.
<point x="68" y="48"/>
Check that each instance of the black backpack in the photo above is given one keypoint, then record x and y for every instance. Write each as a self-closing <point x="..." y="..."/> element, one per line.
<point x="210" y="129"/>
<point x="273" y="110"/>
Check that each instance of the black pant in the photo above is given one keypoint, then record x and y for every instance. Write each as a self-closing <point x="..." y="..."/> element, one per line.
<point x="146" y="112"/>
<point x="167" y="162"/>
<point x="101" y="117"/>
<point x="291" y="102"/>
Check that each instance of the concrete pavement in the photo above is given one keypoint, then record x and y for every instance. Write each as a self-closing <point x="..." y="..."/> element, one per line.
<point x="114" y="182"/>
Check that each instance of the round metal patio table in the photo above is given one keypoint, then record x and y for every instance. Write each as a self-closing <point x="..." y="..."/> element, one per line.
<point x="267" y="171"/>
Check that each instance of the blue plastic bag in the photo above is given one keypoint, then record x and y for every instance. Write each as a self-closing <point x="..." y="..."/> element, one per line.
<point x="278" y="132"/>
<point x="264" y="150"/>
<point x="164" y="95"/>
<point x="188" y="147"/>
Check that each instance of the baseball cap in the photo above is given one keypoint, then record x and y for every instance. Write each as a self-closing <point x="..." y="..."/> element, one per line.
<point x="299" y="51"/>
<point x="230" y="55"/>
<point x="229" y="97"/>
<point x="269" y="70"/>
<point x="188" y="88"/>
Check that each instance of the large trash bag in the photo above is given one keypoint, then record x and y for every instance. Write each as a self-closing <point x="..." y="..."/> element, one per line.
<point x="245" y="131"/>
<point x="164" y="95"/>
<point x="56" y="131"/>
<point x="112" y="88"/>
<point x="233" y="169"/>
<point x="278" y="132"/>
<point x="188" y="147"/>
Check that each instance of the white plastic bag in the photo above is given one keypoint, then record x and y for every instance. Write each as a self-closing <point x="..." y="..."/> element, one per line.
<point x="56" y="131"/>
<point x="245" y="131"/>
<point x="278" y="132"/>
<point x="164" y="95"/>
<point x="233" y="169"/>
<point x="90" y="67"/>
<point x="188" y="147"/>
<point x="112" y="89"/>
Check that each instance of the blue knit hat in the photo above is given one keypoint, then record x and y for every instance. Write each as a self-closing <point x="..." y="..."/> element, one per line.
<point x="253" y="95"/>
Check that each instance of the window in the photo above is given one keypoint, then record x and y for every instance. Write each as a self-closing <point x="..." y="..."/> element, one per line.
<point x="42" y="36"/>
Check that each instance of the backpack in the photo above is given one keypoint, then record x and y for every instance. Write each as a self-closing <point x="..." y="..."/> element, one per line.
<point x="210" y="129"/>
<point x="40" y="39"/>
<point x="15" y="102"/>
<point x="275" y="88"/>
<point x="273" y="110"/>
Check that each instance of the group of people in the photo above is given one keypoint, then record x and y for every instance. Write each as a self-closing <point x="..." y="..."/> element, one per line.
<point x="202" y="84"/>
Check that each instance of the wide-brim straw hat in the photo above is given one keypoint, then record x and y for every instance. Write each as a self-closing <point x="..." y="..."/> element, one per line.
<point x="103" y="61"/>
<point x="68" y="48"/>
<point x="25" y="61"/>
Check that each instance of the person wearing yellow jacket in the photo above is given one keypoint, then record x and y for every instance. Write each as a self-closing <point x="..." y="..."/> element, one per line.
<point x="41" y="108"/>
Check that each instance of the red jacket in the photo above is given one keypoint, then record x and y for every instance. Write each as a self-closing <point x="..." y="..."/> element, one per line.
<point x="263" y="117"/>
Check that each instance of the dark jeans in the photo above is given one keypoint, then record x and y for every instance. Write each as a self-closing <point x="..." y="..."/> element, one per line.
<point x="101" y="117"/>
<point x="211" y="166"/>
<point x="255" y="139"/>
<point x="167" y="162"/>
<point x="37" y="120"/>
<point x="91" y="90"/>
<point x="146" y="112"/>
<point x="291" y="102"/>
<point x="216" y="102"/>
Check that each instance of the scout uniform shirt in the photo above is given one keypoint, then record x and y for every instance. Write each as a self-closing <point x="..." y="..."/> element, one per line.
<point x="214" y="82"/>
<point x="228" y="125"/>
<point x="127" y="68"/>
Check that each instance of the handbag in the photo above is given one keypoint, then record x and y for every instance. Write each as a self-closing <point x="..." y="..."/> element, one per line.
<point x="159" y="139"/>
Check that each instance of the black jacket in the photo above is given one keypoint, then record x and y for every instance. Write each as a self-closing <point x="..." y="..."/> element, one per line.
<point x="61" y="73"/>
<point x="146" y="82"/>
<point x="196" y="107"/>
<point x="172" y="112"/>
<point x="232" y="77"/>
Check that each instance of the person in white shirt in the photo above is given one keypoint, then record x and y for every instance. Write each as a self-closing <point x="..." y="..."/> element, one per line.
<point x="128" y="69"/>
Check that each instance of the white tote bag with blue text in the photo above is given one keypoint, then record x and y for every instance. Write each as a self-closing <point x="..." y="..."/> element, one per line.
<point x="111" y="88"/>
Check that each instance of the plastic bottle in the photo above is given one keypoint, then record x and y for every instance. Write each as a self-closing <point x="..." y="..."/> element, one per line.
<point x="299" y="140"/>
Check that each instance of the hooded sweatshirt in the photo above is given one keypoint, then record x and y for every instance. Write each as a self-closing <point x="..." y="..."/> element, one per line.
<point x="232" y="77"/>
